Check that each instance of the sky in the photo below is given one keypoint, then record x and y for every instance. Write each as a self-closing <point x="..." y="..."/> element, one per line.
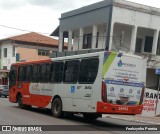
<point x="41" y="16"/>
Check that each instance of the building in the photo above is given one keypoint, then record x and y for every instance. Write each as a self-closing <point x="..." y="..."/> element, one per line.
<point x="25" y="47"/>
<point x="115" y="25"/>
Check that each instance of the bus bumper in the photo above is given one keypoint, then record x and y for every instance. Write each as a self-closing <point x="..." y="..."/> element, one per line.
<point x="107" y="108"/>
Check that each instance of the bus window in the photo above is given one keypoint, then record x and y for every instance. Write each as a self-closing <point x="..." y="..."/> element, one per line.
<point x="21" y="73"/>
<point x="57" y="71"/>
<point x="71" y="70"/>
<point x="88" y="70"/>
<point x="12" y="76"/>
<point x="43" y="73"/>
<point x="28" y="73"/>
<point x="36" y="73"/>
<point x="48" y="72"/>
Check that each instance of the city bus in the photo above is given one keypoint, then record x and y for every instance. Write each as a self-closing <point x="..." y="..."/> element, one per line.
<point x="90" y="84"/>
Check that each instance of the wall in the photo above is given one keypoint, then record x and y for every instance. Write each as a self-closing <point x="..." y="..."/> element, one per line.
<point x="134" y="17"/>
<point x="29" y="54"/>
<point x="86" y="16"/>
<point x="10" y="59"/>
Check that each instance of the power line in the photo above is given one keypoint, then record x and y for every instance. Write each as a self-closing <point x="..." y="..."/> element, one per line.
<point x="24" y="30"/>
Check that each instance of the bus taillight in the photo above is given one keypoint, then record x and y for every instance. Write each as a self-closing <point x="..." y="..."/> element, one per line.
<point x="104" y="92"/>
<point x="142" y="96"/>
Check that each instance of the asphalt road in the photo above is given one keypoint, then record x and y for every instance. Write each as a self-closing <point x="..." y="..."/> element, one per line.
<point x="10" y="114"/>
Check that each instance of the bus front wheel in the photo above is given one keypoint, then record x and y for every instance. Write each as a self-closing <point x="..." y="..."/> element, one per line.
<point x="57" y="108"/>
<point x="20" y="102"/>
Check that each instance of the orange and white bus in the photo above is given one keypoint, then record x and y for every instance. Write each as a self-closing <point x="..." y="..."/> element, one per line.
<point x="92" y="84"/>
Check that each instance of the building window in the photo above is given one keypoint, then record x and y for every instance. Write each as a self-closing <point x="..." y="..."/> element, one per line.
<point x="43" y="52"/>
<point x="0" y="53"/>
<point x="97" y="39"/>
<point x="5" y="67"/>
<point x="87" y="41"/>
<point x="5" y="52"/>
<point x="13" y="51"/>
<point x="17" y="57"/>
<point x="158" y="47"/>
<point x="148" y="44"/>
<point x="138" y="45"/>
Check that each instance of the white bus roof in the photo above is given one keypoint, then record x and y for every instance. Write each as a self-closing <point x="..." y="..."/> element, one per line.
<point x="94" y="54"/>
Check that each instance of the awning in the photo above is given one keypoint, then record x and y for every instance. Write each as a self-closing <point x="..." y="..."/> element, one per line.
<point x="56" y="33"/>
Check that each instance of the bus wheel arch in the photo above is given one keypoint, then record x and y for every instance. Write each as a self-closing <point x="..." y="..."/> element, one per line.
<point x="57" y="106"/>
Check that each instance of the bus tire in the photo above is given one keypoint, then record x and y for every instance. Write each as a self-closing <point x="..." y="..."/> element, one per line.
<point x="90" y="116"/>
<point x="20" y="103"/>
<point x="57" y="108"/>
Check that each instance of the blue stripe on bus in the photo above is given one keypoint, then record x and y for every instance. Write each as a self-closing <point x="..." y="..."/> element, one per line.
<point x="124" y="83"/>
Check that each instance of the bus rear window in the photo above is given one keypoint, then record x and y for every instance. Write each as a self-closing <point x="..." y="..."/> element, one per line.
<point x="88" y="70"/>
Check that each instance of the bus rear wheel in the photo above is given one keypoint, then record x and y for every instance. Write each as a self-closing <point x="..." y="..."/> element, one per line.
<point x="57" y="108"/>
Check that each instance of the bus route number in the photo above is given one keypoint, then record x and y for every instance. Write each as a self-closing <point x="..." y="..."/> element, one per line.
<point x="87" y="87"/>
<point x="123" y="108"/>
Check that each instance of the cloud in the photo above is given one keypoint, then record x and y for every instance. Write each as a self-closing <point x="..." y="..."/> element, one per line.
<point x="53" y="4"/>
<point x="12" y="4"/>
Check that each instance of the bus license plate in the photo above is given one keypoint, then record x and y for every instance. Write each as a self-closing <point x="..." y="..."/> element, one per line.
<point x="123" y="108"/>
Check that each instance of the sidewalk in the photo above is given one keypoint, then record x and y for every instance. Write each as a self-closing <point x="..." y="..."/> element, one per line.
<point x="137" y="118"/>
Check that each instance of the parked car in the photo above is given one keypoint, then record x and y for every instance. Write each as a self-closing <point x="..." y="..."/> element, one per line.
<point x="4" y="90"/>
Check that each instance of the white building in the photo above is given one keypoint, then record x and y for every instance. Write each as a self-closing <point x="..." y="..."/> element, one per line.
<point x="115" y="25"/>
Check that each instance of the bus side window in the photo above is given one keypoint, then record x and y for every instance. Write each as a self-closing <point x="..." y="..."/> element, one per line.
<point x="34" y="74"/>
<point x="71" y="70"/>
<point x="48" y="73"/>
<point x="28" y="73"/>
<point x="43" y="73"/>
<point x="88" y="70"/>
<point x="21" y="73"/>
<point x="57" y="71"/>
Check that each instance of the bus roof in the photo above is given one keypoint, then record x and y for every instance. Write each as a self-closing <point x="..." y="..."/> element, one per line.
<point x="94" y="54"/>
<point x="31" y="62"/>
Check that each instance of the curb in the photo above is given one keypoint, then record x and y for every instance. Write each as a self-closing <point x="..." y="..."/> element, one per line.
<point x="130" y="119"/>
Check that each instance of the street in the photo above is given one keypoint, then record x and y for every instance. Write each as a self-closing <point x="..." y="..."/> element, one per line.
<point x="10" y="114"/>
